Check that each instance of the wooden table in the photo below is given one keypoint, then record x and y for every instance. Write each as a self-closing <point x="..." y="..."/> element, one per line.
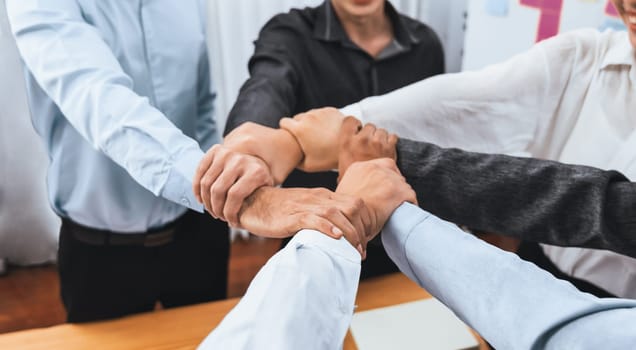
<point x="185" y="328"/>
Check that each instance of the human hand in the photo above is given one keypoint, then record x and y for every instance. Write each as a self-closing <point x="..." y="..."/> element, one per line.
<point x="357" y="143"/>
<point x="281" y="212"/>
<point x="382" y="188"/>
<point x="317" y="133"/>
<point x="278" y="148"/>
<point x="225" y="178"/>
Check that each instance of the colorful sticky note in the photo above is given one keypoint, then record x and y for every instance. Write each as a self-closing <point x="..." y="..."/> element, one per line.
<point x="612" y="23"/>
<point x="610" y="9"/>
<point x="497" y="8"/>
<point x="550" y="18"/>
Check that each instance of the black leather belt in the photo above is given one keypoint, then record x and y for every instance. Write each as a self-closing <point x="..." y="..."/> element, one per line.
<point x="153" y="238"/>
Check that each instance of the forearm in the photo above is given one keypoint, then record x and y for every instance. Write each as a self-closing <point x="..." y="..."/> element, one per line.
<point x="278" y="148"/>
<point x="532" y="199"/>
<point x="266" y="97"/>
<point x="303" y="298"/>
<point x="511" y="303"/>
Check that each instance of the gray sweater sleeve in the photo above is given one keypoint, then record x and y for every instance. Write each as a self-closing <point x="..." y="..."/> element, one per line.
<point x="532" y="199"/>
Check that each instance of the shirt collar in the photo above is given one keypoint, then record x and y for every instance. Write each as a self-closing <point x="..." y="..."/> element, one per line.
<point x="621" y="53"/>
<point x="329" y="28"/>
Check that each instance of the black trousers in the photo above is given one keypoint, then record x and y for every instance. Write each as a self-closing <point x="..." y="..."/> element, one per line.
<point x="101" y="281"/>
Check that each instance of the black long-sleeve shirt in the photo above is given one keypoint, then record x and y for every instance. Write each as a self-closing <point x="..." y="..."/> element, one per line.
<point x="536" y="200"/>
<point x="304" y="59"/>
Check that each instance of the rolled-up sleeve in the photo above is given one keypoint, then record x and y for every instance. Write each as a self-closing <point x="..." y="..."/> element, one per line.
<point x="75" y="67"/>
<point x="510" y="302"/>
<point x="303" y="298"/>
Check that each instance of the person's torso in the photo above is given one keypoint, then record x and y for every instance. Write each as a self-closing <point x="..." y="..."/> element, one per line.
<point x="603" y="136"/>
<point x="159" y="44"/>
<point x="336" y="72"/>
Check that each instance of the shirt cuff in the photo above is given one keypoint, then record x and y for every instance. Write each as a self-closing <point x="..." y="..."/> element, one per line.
<point x="352" y="110"/>
<point x="397" y="231"/>
<point x="178" y="187"/>
<point x="340" y="247"/>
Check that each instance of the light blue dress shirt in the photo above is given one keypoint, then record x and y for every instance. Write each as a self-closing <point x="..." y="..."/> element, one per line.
<point x="120" y="93"/>
<point x="512" y="303"/>
<point x="303" y="298"/>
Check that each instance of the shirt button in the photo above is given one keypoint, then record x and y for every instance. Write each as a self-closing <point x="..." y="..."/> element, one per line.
<point x="185" y="201"/>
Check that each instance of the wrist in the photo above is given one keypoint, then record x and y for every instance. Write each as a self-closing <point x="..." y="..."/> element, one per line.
<point x="290" y="155"/>
<point x="320" y="160"/>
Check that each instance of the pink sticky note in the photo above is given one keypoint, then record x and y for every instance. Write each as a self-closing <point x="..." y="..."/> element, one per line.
<point x="550" y="18"/>
<point x="610" y="9"/>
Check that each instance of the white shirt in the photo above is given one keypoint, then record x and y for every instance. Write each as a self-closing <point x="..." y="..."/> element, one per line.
<point x="569" y="98"/>
<point x="303" y="298"/>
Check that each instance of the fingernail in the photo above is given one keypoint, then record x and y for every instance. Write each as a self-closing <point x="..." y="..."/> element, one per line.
<point x="336" y="231"/>
<point x="359" y="248"/>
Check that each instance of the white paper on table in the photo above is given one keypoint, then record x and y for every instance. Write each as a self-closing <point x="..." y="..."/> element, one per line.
<point x="425" y="324"/>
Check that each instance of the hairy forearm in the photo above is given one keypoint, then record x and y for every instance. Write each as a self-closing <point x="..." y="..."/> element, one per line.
<point x="288" y="155"/>
<point x="276" y="147"/>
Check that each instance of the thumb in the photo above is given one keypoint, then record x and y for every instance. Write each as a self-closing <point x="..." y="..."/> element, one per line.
<point x="350" y="126"/>
<point x="393" y="139"/>
<point x="289" y="124"/>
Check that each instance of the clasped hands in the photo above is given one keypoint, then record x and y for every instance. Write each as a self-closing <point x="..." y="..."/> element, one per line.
<point x="234" y="181"/>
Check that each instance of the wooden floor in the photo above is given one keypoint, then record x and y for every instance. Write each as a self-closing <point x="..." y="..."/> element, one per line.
<point x="247" y="257"/>
<point x="29" y="297"/>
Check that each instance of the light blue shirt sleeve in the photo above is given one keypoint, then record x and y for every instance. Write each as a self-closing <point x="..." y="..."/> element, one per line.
<point x="78" y="71"/>
<point x="512" y="303"/>
<point x="206" y="129"/>
<point x="303" y="298"/>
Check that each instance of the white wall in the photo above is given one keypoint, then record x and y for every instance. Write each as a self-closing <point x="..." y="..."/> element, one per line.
<point x="448" y="19"/>
<point x="28" y="227"/>
<point x="499" y="29"/>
